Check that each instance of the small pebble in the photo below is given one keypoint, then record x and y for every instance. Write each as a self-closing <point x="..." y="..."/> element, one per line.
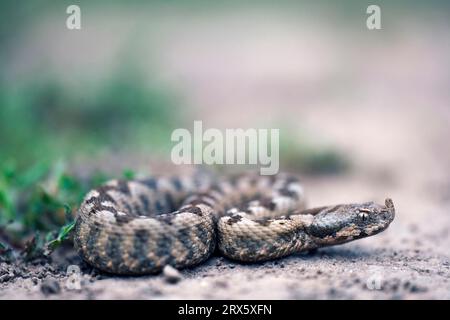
<point x="415" y="289"/>
<point x="50" y="286"/>
<point x="171" y="275"/>
<point x="4" y="278"/>
<point x="221" y="284"/>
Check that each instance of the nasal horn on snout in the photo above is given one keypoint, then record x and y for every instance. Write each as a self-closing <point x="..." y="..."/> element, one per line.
<point x="389" y="203"/>
<point x="390" y="206"/>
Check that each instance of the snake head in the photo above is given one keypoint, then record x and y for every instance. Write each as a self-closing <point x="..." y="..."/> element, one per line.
<point x="343" y="223"/>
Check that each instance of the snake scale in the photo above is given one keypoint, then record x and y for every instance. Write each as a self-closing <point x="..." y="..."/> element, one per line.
<point x="140" y="226"/>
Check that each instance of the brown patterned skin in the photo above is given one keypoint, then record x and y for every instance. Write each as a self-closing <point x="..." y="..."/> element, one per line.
<point x="139" y="226"/>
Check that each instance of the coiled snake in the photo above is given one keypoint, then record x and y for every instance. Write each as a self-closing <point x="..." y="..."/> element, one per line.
<point x="139" y="226"/>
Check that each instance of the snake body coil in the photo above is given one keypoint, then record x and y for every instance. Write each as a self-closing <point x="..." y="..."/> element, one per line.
<point x="139" y="226"/>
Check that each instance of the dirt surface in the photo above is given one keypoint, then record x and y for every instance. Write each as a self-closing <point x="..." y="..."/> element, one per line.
<point x="408" y="261"/>
<point x="344" y="273"/>
<point x="390" y="114"/>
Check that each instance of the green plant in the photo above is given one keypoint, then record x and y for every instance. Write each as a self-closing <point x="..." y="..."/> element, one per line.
<point x="39" y="204"/>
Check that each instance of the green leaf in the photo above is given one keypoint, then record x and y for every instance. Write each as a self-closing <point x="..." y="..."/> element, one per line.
<point x="98" y="178"/>
<point x="68" y="212"/>
<point x="129" y="174"/>
<point x="33" y="175"/>
<point x="63" y="234"/>
<point x="68" y="183"/>
<point x="9" y="172"/>
<point x="7" y="211"/>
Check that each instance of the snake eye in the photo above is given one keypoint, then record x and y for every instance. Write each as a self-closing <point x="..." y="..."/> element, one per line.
<point x="363" y="216"/>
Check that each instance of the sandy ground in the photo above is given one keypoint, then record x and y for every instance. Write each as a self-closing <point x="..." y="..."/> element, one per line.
<point x="380" y="98"/>
<point x="410" y="260"/>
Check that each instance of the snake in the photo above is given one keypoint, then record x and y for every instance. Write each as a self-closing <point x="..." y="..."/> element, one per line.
<point x="137" y="227"/>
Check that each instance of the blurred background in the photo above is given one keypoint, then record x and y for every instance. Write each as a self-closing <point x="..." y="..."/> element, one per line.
<point x="363" y="114"/>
